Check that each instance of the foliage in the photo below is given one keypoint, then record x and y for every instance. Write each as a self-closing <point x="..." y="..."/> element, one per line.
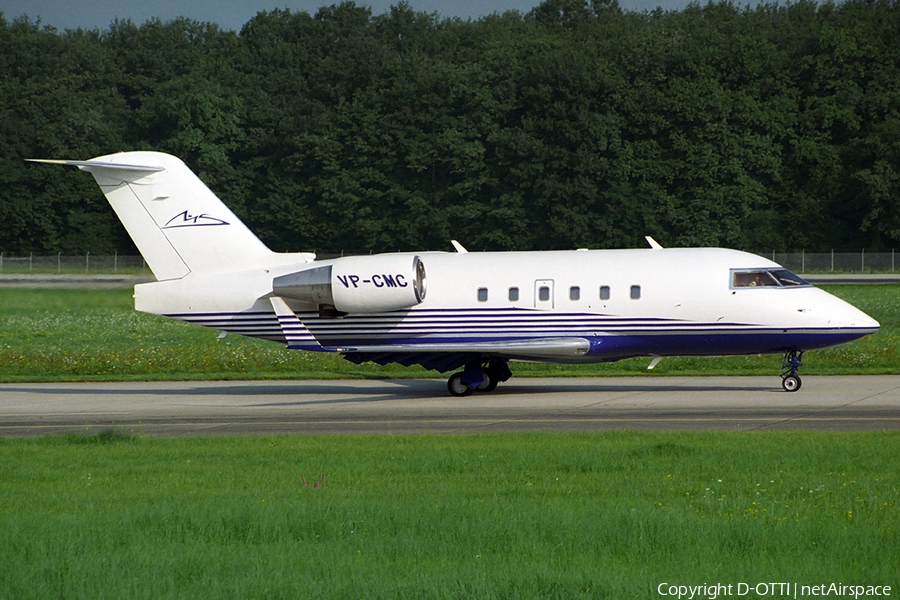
<point x="577" y="124"/>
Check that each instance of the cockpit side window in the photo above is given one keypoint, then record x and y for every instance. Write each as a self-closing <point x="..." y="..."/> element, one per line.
<point x="786" y="278"/>
<point x="753" y="279"/>
<point x="765" y="278"/>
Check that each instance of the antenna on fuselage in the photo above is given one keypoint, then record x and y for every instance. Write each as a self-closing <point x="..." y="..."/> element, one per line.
<point x="653" y="243"/>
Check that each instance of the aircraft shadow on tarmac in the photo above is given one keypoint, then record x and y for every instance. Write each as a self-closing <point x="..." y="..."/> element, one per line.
<point x="339" y="392"/>
<point x="436" y="390"/>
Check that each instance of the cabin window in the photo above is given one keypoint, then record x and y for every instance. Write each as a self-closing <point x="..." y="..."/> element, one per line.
<point x="543" y="293"/>
<point x="635" y="292"/>
<point x="513" y="294"/>
<point x="482" y="294"/>
<point x="766" y="278"/>
<point x="604" y="292"/>
<point x="574" y="293"/>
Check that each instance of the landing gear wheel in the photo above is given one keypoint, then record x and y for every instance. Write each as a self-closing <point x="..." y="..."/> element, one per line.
<point x="495" y="373"/>
<point x="791" y="383"/>
<point x="488" y="383"/>
<point x="790" y="364"/>
<point x="457" y="387"/>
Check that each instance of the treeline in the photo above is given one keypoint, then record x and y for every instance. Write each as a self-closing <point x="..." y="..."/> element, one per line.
<point x="575" y="125"/>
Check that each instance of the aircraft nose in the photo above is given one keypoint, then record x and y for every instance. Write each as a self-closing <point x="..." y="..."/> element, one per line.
<point x="840" y="314"/>
<point x="853" y="317"/>
<point x="869" y="322"/>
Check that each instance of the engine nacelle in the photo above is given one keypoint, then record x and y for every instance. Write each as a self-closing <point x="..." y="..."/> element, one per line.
<point x="358" y="284"/>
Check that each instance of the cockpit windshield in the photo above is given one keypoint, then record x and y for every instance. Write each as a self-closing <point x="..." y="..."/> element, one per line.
<point x="765" y="278"/>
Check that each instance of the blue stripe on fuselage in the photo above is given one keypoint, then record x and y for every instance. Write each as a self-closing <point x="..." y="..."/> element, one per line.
<point x="612" y="337"/>
<point x="719" y="343"/>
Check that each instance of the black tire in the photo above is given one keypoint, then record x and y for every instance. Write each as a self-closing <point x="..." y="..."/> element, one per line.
<point x="791" y="383"/>
<point x="489" y="382"/>
<point x="456" y="387"/>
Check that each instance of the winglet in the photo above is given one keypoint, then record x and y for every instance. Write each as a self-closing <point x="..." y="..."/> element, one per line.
<point x="459" y="247"/>
<point x="295" y="332"/>
<point x="653" y="243"/>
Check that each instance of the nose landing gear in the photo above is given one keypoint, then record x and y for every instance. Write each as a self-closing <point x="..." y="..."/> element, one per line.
<point x="478" y="377"/>
<point x="790" y="364"/>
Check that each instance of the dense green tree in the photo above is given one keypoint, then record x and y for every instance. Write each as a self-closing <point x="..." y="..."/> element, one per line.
<point x="577" y="124"/>
<point x="58" y="97"/>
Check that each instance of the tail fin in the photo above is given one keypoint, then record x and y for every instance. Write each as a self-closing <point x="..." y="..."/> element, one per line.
<point x="176" y="222"/>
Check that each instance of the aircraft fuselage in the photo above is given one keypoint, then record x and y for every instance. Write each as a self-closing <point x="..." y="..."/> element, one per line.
<point x="624" y="303"/>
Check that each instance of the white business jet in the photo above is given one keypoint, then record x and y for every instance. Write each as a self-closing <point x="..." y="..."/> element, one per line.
<point x="460" y="310"/>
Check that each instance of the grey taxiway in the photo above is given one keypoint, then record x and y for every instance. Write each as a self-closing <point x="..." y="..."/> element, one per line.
<point x="851" y="403"/>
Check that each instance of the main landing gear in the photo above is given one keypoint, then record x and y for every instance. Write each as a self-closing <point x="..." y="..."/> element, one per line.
<point x="790" y="364"/>
<point x="478" y="376"/>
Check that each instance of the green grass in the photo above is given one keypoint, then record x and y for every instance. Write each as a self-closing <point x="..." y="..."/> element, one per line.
<point x="53" y="334"/>
<point x="608" y="515"/>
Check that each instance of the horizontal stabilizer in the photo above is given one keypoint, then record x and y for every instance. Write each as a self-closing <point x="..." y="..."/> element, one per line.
<point x="88" y="165"/>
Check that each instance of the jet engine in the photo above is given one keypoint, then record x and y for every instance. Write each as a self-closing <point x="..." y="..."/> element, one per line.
<point x="358" y="284"/>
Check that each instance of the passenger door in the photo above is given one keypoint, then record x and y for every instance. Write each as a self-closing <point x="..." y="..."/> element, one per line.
<point x="543" y="294"/>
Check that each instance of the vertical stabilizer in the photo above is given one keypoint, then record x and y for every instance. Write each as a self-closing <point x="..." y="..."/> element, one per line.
<point x="176" y="222"/>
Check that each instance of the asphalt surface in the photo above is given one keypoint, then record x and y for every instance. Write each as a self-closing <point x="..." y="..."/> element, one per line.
<point x="853" y="403"/>
<point x="99" y="281"/>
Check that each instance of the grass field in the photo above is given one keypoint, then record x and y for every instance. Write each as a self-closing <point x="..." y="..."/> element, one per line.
<point x="594" y="515"/>
<point x="54" y="334"/>
<point x="609" y="515"/>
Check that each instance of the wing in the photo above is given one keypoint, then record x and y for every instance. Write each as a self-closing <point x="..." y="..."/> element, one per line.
<point x="439" y="356"/>
<point x="448" y="356"/>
